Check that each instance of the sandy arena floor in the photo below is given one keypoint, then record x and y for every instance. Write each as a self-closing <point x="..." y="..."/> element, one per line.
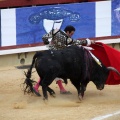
<point x="14" y="105"/>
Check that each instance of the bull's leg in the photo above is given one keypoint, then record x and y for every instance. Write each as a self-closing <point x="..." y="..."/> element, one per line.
<point x="82" y="90"/>
<point x="52" y="93"/>
<point x="48" y="79"/>
<point x="77" y="85"/>
<point x="44" y="89"/>
<point x="85" y="85"/>
<point x="44" y="85"/>
<point x="50" y="75"/>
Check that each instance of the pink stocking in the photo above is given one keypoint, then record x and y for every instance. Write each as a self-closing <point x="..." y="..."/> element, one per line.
<point x="59" y="82"/>
<point x="36" y="86"/>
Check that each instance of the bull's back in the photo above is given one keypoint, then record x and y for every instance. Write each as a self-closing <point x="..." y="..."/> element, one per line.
<point x="72" y="59"/>
<point x="67" y="61"/>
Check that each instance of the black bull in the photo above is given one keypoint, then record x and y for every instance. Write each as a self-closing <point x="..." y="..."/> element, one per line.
<point x="74" y="63"/>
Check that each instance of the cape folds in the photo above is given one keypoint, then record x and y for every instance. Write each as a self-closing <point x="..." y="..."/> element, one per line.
<point x="109" y="57"/>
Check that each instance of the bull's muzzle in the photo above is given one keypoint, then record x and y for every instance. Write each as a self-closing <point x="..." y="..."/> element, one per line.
<point x="100" y="87"/>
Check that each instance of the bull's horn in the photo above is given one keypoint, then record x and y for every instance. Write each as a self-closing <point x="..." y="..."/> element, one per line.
<point x="113" y="69"/>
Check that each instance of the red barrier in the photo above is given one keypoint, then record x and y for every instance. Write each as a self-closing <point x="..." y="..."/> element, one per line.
<point x="19" y="3"/>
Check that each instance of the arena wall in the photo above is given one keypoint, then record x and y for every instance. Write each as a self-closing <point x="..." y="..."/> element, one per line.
<point x="12" y="55"/>
<point x="25" y="58"/>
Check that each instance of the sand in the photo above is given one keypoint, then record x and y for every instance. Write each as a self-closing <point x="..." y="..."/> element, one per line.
<point x="15" y="105"/>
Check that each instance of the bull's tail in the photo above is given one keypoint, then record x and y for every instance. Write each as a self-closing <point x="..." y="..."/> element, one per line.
<point x="28" y="75"/>
<point x="28" y="82"/>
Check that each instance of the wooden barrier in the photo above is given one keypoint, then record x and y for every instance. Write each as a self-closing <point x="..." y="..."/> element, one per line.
<point x="42" y="47"/>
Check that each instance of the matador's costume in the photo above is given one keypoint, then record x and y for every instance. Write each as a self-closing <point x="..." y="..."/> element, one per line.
<point x="60" y="40"/>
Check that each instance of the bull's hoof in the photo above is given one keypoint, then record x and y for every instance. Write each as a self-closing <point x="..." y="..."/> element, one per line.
<point x="53" y="95"/>
<point x="45" y="100"/>
<point x="80" y="97"/>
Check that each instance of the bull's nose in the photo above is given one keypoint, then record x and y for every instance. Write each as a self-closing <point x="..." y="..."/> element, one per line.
<point x="100" y="87"/>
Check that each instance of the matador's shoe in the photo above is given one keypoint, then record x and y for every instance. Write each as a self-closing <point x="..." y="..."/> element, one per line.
<point x="36" y="91"/>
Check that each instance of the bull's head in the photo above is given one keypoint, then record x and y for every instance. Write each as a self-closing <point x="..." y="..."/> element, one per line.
<point x="100" y="80"/>
<point x="99" y="84"/>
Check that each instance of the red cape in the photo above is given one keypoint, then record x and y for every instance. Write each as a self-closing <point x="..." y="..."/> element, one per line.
<point x="109" y="57"/>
